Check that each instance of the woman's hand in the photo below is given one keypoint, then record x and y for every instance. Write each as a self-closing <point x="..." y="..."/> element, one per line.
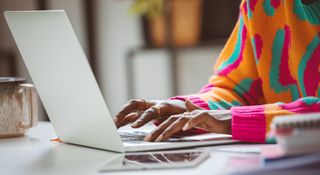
<point x="218" y="121"/>
<point x="139" y="111"/>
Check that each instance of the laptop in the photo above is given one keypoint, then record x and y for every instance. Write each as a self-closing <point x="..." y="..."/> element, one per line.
<point x="67" y="87"/>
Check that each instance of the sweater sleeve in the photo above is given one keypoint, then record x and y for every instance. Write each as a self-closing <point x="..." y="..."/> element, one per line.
<point x="235" y="81"/>
<point x="252" y="123"/>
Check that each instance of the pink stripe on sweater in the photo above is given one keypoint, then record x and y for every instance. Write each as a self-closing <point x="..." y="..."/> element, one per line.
<point x="199" y="102"/>
<point x="237" y="62"/>
<point x="252" y="4"/>
<point x="182" y="98"/>
<point x="275" y="3"/>
<point x="286" y="78"/>
<point x="206" y="89"/>
<point x="312" y="70"/>
<point x="299" y="106"/>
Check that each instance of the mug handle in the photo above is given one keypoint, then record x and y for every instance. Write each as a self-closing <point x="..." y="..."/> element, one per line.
<point x="31" y="95"/>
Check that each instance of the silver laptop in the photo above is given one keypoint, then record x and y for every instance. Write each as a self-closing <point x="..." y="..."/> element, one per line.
<point x="67" y="86"/>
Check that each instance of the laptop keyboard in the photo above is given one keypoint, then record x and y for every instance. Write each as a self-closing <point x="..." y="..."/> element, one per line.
<point x="138" y="136"/>
<point x="134" y="136"/>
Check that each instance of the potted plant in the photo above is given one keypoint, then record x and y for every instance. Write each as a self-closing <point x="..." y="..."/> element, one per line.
<point x="184" y="19"/>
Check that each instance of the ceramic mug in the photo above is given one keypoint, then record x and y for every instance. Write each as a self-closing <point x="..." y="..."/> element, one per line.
<point x="18" y="106"/>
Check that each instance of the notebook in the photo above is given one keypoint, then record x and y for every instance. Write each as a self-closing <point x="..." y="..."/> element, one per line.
<point x="297" y="134"/>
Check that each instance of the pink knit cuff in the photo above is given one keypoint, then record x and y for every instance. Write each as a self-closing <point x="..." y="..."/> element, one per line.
<point x="248" y="123"/>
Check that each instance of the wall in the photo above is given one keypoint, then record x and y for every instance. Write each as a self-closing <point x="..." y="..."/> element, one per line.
<point x="195" y="67"/>
<point x="118" y="32"/>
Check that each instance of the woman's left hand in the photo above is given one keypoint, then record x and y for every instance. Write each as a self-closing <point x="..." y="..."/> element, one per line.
<point x="217" y="121"/>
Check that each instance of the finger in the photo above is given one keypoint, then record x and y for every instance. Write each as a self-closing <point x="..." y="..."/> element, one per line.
<point x="128" y="119"/>
<point x="131" y="106"/>
<point x="190" y="106"/>
<point x="146" y="116"/>
<point x="195" y="120"/>
<point x="172" y="129"/>
<point x="166" y="108"/>
<point x="156" y="132"/>
<point x="150" y="114"/>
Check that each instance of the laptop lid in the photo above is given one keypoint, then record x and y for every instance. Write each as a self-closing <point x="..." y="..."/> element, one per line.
<point x="63" y="78"/>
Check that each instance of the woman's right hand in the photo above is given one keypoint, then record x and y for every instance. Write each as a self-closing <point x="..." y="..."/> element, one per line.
<point x="139" y="111"/>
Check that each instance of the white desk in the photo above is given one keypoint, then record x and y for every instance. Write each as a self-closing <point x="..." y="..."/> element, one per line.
<point x="35" y="154"/>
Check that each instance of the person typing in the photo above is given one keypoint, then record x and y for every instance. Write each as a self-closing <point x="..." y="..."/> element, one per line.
<point x="268" y="67"/>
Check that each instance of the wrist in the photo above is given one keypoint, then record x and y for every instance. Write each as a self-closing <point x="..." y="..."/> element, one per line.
<point x="227" y="126"/>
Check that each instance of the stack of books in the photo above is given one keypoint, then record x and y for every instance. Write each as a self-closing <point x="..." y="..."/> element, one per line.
<point x="297" y="134"/>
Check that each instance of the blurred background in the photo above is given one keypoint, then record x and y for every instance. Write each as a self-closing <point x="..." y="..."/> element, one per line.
<point x="151" y="49"/>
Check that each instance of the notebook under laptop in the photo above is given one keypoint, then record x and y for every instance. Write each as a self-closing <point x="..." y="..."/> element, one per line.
<point x="67" y="87"/>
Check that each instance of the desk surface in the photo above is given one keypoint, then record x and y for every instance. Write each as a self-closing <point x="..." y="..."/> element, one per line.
<point x="35" y="154"/>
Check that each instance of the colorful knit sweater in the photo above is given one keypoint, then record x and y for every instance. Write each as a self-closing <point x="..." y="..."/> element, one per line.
<point x="270" y="66"/>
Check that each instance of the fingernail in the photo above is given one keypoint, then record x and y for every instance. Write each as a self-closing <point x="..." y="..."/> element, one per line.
<point x="147" y="138"/>
<point x="159" y="138"/>
<point x="185" y="127"/>
<point x="134" y="125"/>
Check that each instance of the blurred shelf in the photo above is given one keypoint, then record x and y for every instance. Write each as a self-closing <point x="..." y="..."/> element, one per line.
<point x="202" y="44"/>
